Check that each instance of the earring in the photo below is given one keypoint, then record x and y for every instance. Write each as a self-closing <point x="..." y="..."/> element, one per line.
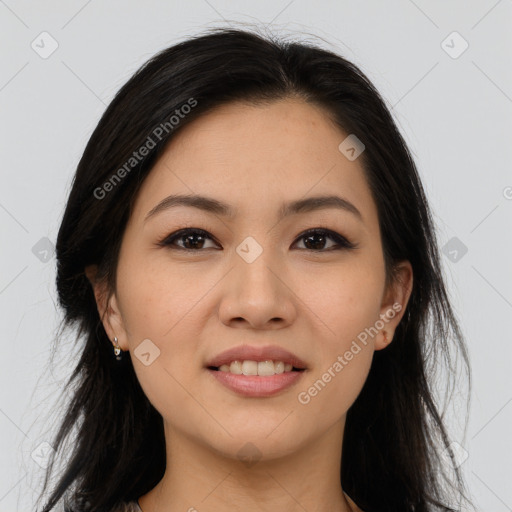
<point x="385" y="337"/>
<point x="117" y="349"/>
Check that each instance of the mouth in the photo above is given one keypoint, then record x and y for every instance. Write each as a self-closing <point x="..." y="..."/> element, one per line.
<point x="256" y="371"/>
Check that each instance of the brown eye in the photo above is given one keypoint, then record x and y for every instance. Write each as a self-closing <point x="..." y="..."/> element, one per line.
<point x="192" y="239"/>
<point x="315" y="240"/>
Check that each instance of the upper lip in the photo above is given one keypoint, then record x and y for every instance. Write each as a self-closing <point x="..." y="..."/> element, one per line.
<point x="256" y="353"/>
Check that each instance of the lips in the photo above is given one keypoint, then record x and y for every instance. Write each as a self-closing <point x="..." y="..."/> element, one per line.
<point x="258" y="354"/>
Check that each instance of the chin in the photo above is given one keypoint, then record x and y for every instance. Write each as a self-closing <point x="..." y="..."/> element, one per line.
<point x="252" y="445"/>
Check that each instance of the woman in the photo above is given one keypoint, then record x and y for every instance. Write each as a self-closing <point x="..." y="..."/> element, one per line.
<point x="251" y="261"/>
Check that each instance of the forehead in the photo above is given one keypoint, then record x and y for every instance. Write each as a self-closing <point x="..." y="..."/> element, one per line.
<point x="254" y="157"/>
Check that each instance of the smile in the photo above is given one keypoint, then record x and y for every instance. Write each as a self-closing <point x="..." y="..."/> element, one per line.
<point x="262" y="368"/>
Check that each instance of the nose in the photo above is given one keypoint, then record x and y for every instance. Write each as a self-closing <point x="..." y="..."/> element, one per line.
<point x="257" y="295"/>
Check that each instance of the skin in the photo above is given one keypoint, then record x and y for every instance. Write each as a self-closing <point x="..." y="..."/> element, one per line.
<point x="192" y="306"/>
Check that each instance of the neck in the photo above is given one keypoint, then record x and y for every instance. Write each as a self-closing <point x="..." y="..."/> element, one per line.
<point x="198" y="478"/>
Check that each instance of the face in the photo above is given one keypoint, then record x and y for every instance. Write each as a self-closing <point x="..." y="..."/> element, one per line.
<point x="253" y="277"/>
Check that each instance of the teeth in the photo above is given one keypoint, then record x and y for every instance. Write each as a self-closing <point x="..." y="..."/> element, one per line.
<point x="263" y="368"/>
<point x="235" y="367"/>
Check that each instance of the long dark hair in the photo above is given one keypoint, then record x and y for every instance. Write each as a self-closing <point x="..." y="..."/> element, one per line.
<point x="394" y="435"/>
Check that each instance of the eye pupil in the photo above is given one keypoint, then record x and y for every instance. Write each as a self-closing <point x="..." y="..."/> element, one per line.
<point x="189" y="237"/>
<point x="319" y="245"/>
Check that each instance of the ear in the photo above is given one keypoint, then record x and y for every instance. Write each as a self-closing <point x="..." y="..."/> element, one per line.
<point x="108" y="308"/>
<point x="394" y="303"/>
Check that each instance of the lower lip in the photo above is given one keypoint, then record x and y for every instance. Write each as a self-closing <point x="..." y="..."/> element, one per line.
<point x="256" y="386"/>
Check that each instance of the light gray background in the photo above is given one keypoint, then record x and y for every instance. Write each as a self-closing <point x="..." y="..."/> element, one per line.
<point x="455" y="114"/>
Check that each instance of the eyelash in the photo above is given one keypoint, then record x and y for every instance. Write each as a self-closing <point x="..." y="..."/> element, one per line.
<point x="343" y="243"/>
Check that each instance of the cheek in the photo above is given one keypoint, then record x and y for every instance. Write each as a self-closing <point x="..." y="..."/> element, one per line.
<point x="157" y="297"/>
<point x="343" y="302"/>
<point x="330" y="392"/>
<point x="157" y="303"/>
<point x="345" y="311"/>
<point x="162" y="302"/>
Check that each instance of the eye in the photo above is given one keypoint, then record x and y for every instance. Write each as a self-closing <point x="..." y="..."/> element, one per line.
<point x="317" y="237"/>
<point x="193" y="240"/>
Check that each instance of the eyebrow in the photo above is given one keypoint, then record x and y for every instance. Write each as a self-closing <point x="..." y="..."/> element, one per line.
<point x="216" y="207"/>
